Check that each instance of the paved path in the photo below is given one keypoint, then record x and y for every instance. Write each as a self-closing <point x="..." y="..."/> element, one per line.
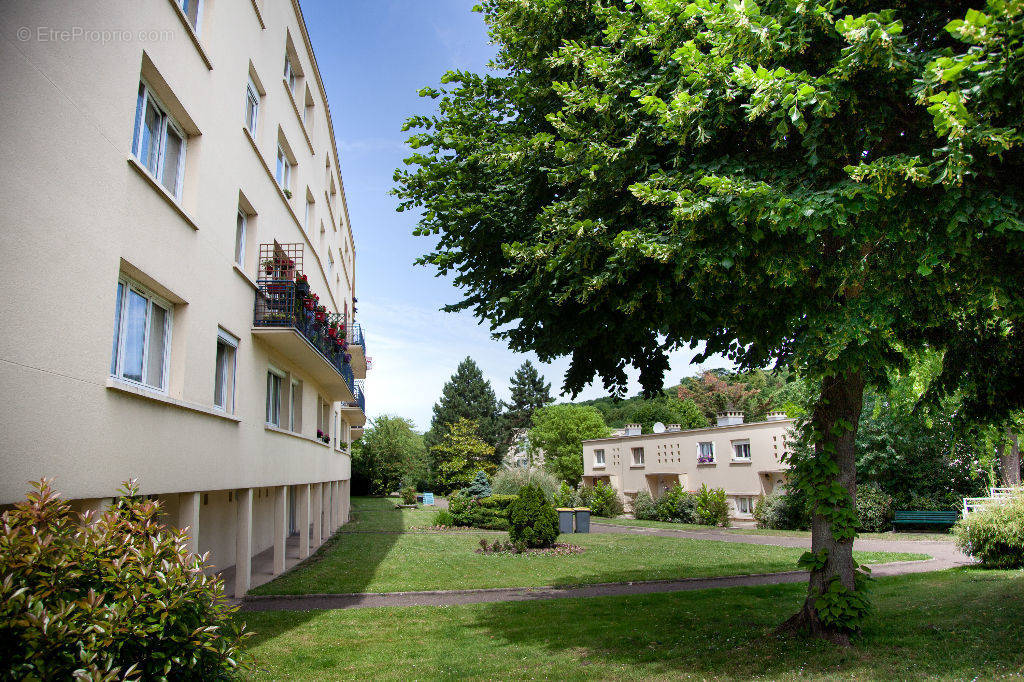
<point x="944" y="555"/>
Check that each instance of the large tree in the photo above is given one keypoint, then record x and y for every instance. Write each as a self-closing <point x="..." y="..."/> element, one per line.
<point x="467" y="395"/>
<point x="529" y="392"/>
<point x="459" y="455"/>
<point x="390" y="453"/>
<point x="781" y="181"/>
<point x="559" y="430"/>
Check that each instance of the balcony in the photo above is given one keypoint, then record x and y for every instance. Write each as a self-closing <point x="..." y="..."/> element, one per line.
<point x="357" y="347"/>
<point x="355" y="412"/>
<point x="288" y="319"/>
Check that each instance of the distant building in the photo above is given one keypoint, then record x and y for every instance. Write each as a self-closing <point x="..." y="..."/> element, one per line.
<point x="520" y="454"/>
<point x="743" y="459"/>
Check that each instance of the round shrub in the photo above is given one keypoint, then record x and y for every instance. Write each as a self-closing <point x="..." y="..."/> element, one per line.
<point x="712" y="507"/>
<point x="533" y="522"/>
<point x="443" y="517"/>
<point x="676" y="505"/>
<point x="783" y="510"/>
<point x="408" y="494"/>
<point x="874" y="509"/>
<point x="644" y="507"/>
<point x="511" y="481"/>
<point x="604" y="501"/>
<point x="90" y="600"/>
<point x="994" y="535"/>
<point x="565" y="497"/>
<point x="480" y="487"/>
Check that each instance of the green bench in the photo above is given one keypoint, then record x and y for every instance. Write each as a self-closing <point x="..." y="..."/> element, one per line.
<point x="924" y="518"/>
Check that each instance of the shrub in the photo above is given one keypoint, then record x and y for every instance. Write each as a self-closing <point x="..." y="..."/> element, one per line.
<point x="874" y="509"/>
<point x="443" y="517"/>
<point x="584" y="495"/>
<point x="604" y="501"/>
<point x="487" y="512"/>
<point x="994" y="535"/>
<point x="644" y="507"/>
<point x="408" y="494"/>
<point x="511" y="481"/>
<point x="117" y="596"/>
<point x="533" y="522"/>
<point x="783" y="510"/>
<point x="676" y="505"/>
<point x="479" y="487"/>
<point x="712" y="507"/>
<point x="565" y="497"/>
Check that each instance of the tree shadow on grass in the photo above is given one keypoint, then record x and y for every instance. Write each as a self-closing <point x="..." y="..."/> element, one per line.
<point x="959" y="624"/>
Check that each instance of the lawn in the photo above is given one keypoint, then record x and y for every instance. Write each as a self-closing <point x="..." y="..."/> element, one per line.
<point x="907" y="535"/>
<point x="378" y="553"/>
<point x="964" y="624"/>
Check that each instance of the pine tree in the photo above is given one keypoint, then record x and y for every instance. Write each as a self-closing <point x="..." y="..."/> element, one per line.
<point x="467" y="395"/>
<point x="529" y="394"/>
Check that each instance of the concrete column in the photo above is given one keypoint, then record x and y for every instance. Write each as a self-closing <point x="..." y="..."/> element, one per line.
<point x="317" y="489"/>
<point x="346" y="501"/>
<point x="243" y="541"/>
<point x="280" y="527"/>
<point x="325" y="528"/>
<point x="339" y="520"/>
<point x="302" y="509"/>
<point x="335" y="515"/>
<point x="188" y="517"/>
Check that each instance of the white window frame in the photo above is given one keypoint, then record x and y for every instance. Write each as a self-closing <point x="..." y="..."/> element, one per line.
<point x="199" y="13"/>
<point x="330" y="263"/>
<point x="282" y="380"/>
<point x="240" y="230"/>
<point x="713" y="455"/>
<point x="230" y="340"/>
<point x="290" y="77"/>
<point x="294" y="398"/>
<point x="252" y="99"/>
<point x="283" y="173"/>
<point x="121" y="334"/>
<point x="748" y="501"/>
<point x="310" y="208"/>
<point x="633" y="453"/>
<point x="146" y="96"/>
<point x="736" y="445"/>
<point x="599" y="458"/>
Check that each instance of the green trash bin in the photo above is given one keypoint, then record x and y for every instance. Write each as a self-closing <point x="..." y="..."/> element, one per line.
<point x="582" y="519"/>
<point x="565" y="515"/>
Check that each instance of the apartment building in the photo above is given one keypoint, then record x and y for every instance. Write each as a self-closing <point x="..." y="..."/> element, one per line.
<point x="744" y="459"/>
<point x="179" y="279"/>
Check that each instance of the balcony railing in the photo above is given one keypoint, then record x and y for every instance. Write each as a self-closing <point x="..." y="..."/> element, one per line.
<point x="281" y="303"/>
<point x="355" y="336"/>
<point x="360" y="396"/>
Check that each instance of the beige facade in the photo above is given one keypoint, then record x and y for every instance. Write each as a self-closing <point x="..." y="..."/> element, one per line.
<point x="743" y="459"/>
<point x="153" y="150"/>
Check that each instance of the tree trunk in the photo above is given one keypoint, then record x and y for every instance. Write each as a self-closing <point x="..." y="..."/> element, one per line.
<point x="1009" y="460"/>
<point x="841" y="399"/>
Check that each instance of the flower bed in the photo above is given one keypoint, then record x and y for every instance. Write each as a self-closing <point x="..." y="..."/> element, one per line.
<point x="507" y="548"/>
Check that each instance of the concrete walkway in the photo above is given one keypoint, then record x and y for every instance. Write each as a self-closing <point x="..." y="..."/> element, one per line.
<point x="944" y="555"/>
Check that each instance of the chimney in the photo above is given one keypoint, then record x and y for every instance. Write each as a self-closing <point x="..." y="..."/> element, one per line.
<point x="775" y="416"/>
<point x="632" y="430"/>
<point x="730" y="418"/>
<point x="673" y="427"/>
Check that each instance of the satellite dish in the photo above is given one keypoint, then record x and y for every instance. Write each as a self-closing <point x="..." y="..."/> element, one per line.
<point x="659" y="427"/>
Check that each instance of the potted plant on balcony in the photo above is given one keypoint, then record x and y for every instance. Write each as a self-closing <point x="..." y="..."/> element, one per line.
<point x="321" y="313"/>
<point x="269" y="265"/>
<point x="301" y="285"/>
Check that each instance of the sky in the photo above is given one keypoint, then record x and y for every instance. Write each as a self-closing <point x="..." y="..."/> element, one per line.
<point x="374" y="55"/>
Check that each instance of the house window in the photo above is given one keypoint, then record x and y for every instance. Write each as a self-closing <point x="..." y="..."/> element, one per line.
<point x="192" y="9"/>
<point x="289" y="73"/>
<point x="638" y="456"/>
<point x="741" y="450"/>
<point x="705" y="453"/>
<point x="224" y="379"/>
<point x="323" y="416"/>
<point x="599" y="458"/>
<point x="284" y="169"/>
<point x="310" y="206"/>
<point x="330" y="264"/>
<point x="158" y="142"/>
<point x="142" y="334"/>
<point x="295" y="416"/>
<point x="745" y="505"/>
<point x="252" y="106"/>
<point x="240" y="221"/>
<point x="274" y="381"/>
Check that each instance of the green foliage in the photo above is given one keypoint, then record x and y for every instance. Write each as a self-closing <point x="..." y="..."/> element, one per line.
<point x="565" y="497"/>
<point x="467" y="396"/>
<point x="529" y="393"/>
<point x="643" y="507"/>
<point x="480" y="487"/>
<point x="459" y="454"/>
<point x="666" y="408"/>
<point x="994" y="535"/>
<point x="603" y="500"/>
<point x="510" y="481"/>
<point x="115" y="597"/>
<point x="443" y="518"/>
<point x="487" y="512"/>
<point x="533" y="522"/>
<point x="783" y="510"/>
<point x="874" y="509"/>
<point x="712" y="508"/>
<point x="559" y="430"/>
<point x="390" y="453"/>
<point x="841" y="607"/>
<point x="677" y="505"/>
<point x="408" y="494"/>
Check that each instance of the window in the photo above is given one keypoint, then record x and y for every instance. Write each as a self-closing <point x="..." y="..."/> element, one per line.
<point x="284" y="169"/>
<point x="295" y="417"/>
<point x="308" y="220"/>
<point x="741" y="450"/>
<point x="274" y="380"/>
<point x="240" y="221"/>
<point x="224" y="379"/>
<point x="330" y="264"/>
<point x="705" y="453"/>
<point x="745" y="505"/>
<point x="192" y="10"/>
<point x="599" y="458"/>
<point x="289" y="73"/>
<point x="158" y="142"/>
<point x="142" y="333"/>
<point x="252" y="107"/>
<point x="323" y="416"/>
<point x="638" y="456"/>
